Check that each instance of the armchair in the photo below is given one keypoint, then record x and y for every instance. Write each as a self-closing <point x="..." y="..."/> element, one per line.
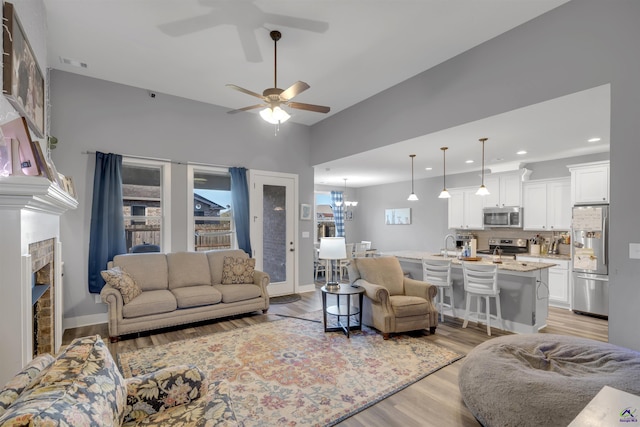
<point x="393" y="303"/>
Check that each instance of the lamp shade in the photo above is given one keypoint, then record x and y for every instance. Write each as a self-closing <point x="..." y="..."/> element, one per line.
<point x="332" y="248"/>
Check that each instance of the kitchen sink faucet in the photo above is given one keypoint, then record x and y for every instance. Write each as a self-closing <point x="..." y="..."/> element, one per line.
<point x="446" y="248"/>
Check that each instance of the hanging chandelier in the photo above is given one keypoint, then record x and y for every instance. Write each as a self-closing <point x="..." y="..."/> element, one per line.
<point x="348" y="203"/>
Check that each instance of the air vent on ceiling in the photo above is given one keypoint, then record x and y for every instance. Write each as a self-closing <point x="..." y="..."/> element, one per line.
<point x="73" y="62"/>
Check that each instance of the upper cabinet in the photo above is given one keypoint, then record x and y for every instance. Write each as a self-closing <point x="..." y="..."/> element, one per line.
<point x="465" y="209"/>
<point x="547" y="205"/>
<point x="505" y="188"/>
<point x="590" y="183"/>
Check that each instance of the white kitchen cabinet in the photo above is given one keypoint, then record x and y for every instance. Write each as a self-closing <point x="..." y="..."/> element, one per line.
<point x="547" y="205"/>
<point x="590" y="182"/>
<point x="465" y="209"/>
<point x="505" y="188"/>
<point x="559" y="280"/>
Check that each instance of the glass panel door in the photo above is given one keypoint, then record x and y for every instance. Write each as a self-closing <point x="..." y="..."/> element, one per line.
<point x="273" y="229"/>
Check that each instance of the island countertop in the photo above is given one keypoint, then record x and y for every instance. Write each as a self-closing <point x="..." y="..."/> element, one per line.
<point x="507" y="264"/>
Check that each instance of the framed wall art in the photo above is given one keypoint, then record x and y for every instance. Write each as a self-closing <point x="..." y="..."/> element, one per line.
<point x="23" y="81"/>
<point x="305" y="211"/>
<point x="401" y="216"/>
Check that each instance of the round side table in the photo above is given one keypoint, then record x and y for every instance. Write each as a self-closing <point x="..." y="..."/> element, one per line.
<point x="342" y="310"/>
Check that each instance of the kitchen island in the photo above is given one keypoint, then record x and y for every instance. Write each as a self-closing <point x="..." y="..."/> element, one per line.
<point x="524" y="291"/>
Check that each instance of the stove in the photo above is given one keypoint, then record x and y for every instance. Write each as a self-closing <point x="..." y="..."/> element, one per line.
<point x="508" y="246"/>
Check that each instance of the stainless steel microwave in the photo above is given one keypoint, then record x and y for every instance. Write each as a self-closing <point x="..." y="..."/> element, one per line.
<point x="502" y="217"/>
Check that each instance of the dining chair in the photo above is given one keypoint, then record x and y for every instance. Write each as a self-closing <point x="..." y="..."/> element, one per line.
<point x="367" y="244"/>
<point x="481" y="282"/>
<point x="319" y="265"/>
<point x="438" y="273"/>
<point x="345" y="262"/>
<point x="360" y="250"/>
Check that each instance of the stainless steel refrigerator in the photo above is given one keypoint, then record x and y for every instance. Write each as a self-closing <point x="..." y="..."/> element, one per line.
<point x="590" y="259"/>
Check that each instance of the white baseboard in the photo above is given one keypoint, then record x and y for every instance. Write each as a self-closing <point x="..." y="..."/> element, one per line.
<point x="78" y="321"/>
<point x="306" y="288"/>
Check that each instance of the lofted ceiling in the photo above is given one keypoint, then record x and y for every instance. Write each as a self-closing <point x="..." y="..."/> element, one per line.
<point x="345" y="50"/>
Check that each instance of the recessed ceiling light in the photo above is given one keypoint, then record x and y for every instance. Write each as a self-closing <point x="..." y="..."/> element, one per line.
<point x="521" y="152"/>
<point x="469" y="161"/>
<point x="73" y="62"/>
<point x="593" y="140"/>
<point x="428" y="169"/>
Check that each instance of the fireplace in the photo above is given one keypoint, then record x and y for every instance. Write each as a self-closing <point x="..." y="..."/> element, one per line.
<point x="30" y="210"/>
<point x="42" y="291"/>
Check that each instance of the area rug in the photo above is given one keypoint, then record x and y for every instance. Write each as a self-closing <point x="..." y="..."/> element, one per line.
<point x="290" y="372"/>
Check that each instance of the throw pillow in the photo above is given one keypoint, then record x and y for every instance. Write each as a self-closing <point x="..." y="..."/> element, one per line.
<point x="237" y="270"/>
<point x="123" y="282"/>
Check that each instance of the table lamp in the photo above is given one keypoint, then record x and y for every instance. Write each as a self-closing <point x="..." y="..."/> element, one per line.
<point x="332" y="248"/>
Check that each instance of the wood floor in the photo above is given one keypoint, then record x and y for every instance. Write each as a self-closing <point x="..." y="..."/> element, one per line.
<point x="433" y="401"/>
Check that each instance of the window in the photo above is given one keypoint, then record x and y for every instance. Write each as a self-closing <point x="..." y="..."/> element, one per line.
<point x="145" y="193"/>
<point x="210" y="211"/>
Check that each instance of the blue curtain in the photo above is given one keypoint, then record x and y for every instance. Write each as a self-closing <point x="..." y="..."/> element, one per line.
<point x="338" y="212"/>
<point x="107" y="237"/>
<point x="240" y="200"/>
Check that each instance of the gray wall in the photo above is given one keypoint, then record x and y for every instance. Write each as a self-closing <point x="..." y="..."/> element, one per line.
<point x="577" y="46"/>
<point x="96" y="115"/>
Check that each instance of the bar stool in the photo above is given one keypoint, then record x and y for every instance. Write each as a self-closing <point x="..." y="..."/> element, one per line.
<point x="481" y="281"/>
<point x="438" y="273"/>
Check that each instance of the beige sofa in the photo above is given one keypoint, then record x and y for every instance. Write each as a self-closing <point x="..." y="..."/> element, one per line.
<point x="180" y="288"/>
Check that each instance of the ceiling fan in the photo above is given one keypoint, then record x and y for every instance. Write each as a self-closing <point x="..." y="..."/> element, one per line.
<point x="274" y="98"/>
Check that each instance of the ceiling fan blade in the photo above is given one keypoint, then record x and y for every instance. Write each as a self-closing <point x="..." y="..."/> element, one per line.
<point x="251" y="107"/>
<point x="243" y="90"/>
<point x="309" y="107"/>
<point x="293" y="90"/>
<point x="191" y="25"/>
<point x="299" y="23"/>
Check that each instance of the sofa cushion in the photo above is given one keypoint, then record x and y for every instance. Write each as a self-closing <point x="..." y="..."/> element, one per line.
<point x="28" y="377"/>
<point x="233" y="293"/>
<point x="194" y="296"/>
<point x="150" y="302"/>
<point x="237" y="270"/>
<point x="188" y="269"/>
<point x="407" y="306"/>
<point x="83" y="386"/>
<point x="216" y="261"/>
<point x="166" y="388"/>
<point x="383" y="271"/>
<point x="122" y="281"/>
<point x="149" y="270"/>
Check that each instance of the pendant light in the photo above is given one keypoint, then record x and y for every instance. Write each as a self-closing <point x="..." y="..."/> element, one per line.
<point x="482" y="191"/>
<point x="412" y="196"/>
<point x="444" y="194"/>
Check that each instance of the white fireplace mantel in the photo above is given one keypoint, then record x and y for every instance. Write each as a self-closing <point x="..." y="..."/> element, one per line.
<point x="35" y="193"/>
<point x="30" y="210"/>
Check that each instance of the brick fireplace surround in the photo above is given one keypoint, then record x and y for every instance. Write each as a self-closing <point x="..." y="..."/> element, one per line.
<point x="30" y="210"/>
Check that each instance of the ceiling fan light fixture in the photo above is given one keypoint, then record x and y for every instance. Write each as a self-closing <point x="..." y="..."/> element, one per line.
<point x="274" y="115"/>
